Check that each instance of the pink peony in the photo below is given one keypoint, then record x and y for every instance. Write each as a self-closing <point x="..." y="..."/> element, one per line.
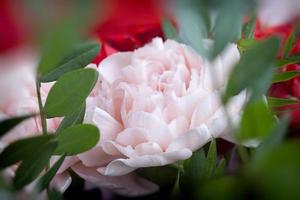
<point x="155" y="106"/>
<point x="18" y="97"/>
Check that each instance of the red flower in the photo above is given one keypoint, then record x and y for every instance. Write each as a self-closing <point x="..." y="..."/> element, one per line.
<point x="11" y="32"/>
<point x="291" y="88"/>
<point x="128" y="25"/>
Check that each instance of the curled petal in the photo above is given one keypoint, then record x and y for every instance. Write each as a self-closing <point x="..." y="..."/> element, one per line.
<point x="110" y="68"/>
<point x="120" y="167"/>
<point x="92" y="157"/>
<point x="109" y="127"/>
<point x="193" y="140"/>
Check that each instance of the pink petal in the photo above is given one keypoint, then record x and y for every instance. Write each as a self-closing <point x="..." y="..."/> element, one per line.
<point x="129" y="185"/>
<point x="61" y="182"/>
<point x="124" y="166"/>
<point x="132" y="136"/>
<point x="193" y="140"/>
<point x="95" y="157"/>
<point x="110" y="68"/>
<point x="112" y="148"/>
<point x="205" y="109"/>
<point x="68" y="162"/>
<point x="108" y="126"/>
<point x="148" y="148"/>
<point x="178" y="126"/>
<point x="144" y="120"/>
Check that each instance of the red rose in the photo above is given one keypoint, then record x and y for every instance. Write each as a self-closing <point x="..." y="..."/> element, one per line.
<point x="11" y="32"/>
<point x="129" y="24"/>
<point x="291" y="88"/>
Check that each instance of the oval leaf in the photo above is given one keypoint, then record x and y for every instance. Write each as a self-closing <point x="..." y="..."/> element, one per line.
<point x="48" y="176"/>
<point x="58" y="43"/>
<point x="257" y="121"/>
<point x="75" y="118"/>
<point x="22" y="149"/>
<point x="70" y="92"/>
<point x="77" y="139"/>
<point x="55" y="195"/>
<point x="254" y="70"/>
<point x="78" y="58"/>
<point x="7" y="124"/>
<point x="231" y="12"/>
<point x="34" y="165"/>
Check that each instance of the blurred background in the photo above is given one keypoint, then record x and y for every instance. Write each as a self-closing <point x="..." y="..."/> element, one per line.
<point x="125" y="25"/>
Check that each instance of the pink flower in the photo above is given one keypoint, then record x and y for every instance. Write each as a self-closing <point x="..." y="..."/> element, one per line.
<point x="155" y="106"/>
<point x="18" y="97"/>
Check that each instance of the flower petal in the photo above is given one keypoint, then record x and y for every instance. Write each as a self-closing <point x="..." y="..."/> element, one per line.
<point x="95" y="157"/>
<point x="193" y="139"/>
<point x="129" y="185"/>
<point x="61" y="182"/>
<point x="132" y="136"/>
<point x="109" y="127"/>
<point x="148" y="148"/>
<point x="124" y="166"/>
<point x="110" y="68"/>
<point x="205" y="110"/>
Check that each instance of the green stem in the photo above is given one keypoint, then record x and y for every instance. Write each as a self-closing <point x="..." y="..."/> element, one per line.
<point x="42" y="114"/>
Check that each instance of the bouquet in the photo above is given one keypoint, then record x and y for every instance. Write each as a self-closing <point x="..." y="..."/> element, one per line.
<point x="150" y="99"/>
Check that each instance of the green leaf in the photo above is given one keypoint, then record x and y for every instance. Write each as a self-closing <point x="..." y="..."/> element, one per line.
<point x="32" y="166"/>
<point x="75" y="118"/>
<point x="164" y="176"/>
<point x="211" y="159"/>
<point x="57" y="44"/>
<point x="70" y="92"/>
<point x="192" y="29"/>
<point x="274" y="139"/>
<point x="45" y="180"/>
<point x="223" y="188"/>
<point x="230" y="15"/>
<point x="168" y="28"/>
<point x="257" y="121"/>
<point x="244" y="44"/>
<point x="79" y="57"/>
<point x="248" y="28"/>
<point x="22" y="149"/>
<point x="278" y="102"/>
<point x="193" y="173"/>
<point x="219" y="170"/>
<point x="295" y="59"/>
<point x="278" y="171"/>
<point x="55" y="195"/>
<point x="7" y="124"/>
<point x="77" y="139"/>
<point x="254" y="70"/>
<point x="285" y="76"/>
<point x="289" y="44"/>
